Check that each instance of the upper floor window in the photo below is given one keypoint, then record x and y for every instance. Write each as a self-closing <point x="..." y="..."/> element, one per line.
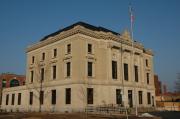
<point x="33" y="58"/>
<point x="114" y="69"/>
<point x="42" y="74"/>
<point x="54" y="72"/>
<point x="126" y="72"/>
<point x="147" y="63"/>
<point x="14" y="82"/>
<point x="55" y="53"/>
<point x="136" y="73"/>
<point x="147" y="76"/>
<point x="43" y="56"/>
<point x="68" y="69"/>
<point x="3" y="83"/>
<point x="90" y="48"/>
<point x="90" y="68"/>
<point x="32" y="76"/>
<point x="68" y="48"/>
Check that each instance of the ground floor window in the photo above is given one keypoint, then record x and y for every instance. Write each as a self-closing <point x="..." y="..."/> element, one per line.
<point x="149" y="97"/>
<point x="140" y="97"/>
<point x="7" y="99"/>
<point x="53" y="97"/>
<point x="130" y="98"/>
<point x="89" y="95"/>
<point x="31" y="98"/>
<point x="13" y="98"/>
<point x="118" y="96"/>
<point x="19" y="98"/>
<point x="41" y="97"/>
<point x="68" y="95"/>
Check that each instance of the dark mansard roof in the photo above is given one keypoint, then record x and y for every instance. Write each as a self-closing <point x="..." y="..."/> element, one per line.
<point x="86" y="25"/>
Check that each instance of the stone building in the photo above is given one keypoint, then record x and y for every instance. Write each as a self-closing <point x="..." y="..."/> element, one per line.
<point x="84" y="65"/>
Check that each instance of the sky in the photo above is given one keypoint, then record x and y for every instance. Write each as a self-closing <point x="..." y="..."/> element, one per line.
<point x="156" y="25"/>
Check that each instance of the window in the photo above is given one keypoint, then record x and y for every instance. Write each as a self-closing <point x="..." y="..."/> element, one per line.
<point x="3" y="83"/>
<point x="55" y="53"/>
<point x="14" y="82"/>
<point x="19" y="98"/>
<point x="33" y="59"/>
<point x="90" y="69"/>
<point x="32" y="76"/>
<point x="147" y="76"/>
<point x="149" y="97"/>
<point x="68" y="48"/>
<point x="53" y="101"/>
<point x="118" y="96"/>
<point x="130" y="98"/>
<point x="125" y="71"/>
<point x="30" y="98"/>
<point x="7" y="99"/>
<point x="147" y="64"/>
<point x="54" y="72"/>
<point x="68" y="95"/>
<point x="68" y="67"/>
<point x="90" y="48"/>
<point x="43" y="56"/>
<point x="136" y="73"/>
<point x="140" y="97"/>
<point x="42" y="74"/>
<point x="89" y="95"/>
<point x="41" y="97"/>
<point x="13" y="97"/>
<point x="114" y="69"/>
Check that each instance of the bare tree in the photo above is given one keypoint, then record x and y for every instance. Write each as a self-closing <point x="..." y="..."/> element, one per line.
<point x="177" y="83"/>
<point x="40" y="69"/>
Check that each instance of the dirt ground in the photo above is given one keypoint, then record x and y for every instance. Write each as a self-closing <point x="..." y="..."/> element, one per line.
<point x="64" y="116"/>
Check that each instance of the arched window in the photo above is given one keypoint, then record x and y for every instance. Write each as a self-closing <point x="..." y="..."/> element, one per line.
<point x="3" y="83"/>
<point x="14" y="83"/>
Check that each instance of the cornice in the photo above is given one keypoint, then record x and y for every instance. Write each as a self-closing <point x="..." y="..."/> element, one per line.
<point x="82" y="30"/>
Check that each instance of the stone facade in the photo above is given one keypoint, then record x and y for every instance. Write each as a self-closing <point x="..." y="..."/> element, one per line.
<point x="85" y="66"/>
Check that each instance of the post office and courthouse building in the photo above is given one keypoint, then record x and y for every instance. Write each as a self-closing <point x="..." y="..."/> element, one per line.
<point x="84" y="65"/>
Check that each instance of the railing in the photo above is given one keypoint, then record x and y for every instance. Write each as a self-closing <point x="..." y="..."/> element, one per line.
<point x="116" y="109"/>
<point x="106" y="109"/>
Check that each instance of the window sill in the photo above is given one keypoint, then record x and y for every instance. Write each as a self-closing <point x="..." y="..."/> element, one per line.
<point x="114" y="79"/>
<point x="90" y="77"/>
<point x="68" y="77"/>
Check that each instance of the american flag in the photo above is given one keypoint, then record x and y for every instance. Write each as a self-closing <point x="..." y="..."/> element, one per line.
<point x="131" y="13"/>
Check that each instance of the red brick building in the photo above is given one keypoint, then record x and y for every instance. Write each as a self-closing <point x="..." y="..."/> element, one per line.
<point x="158" y="87"/>
<point x="11" y="80"/>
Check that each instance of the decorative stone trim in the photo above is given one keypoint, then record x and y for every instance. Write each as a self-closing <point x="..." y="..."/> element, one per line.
<point x="81" y="30"/>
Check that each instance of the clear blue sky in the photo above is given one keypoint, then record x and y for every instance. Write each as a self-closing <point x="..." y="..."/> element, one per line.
<point x="157" y="26"/>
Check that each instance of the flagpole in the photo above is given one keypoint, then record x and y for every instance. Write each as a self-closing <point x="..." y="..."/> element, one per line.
<point x="132" y="37"/>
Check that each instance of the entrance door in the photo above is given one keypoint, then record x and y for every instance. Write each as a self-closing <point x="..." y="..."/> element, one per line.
<point x="130" y="98"/>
